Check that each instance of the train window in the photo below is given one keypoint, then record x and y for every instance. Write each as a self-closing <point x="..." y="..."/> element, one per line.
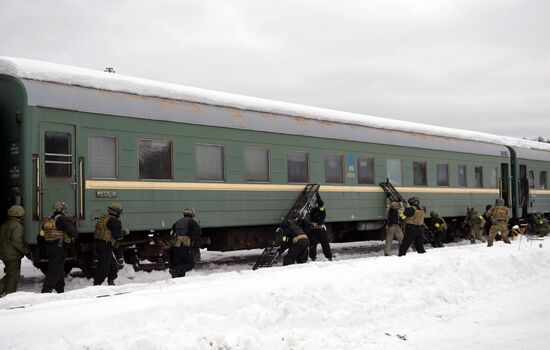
<point x="334" y="168"/>
<point x="394" y="171"/>
<point x="478" y="176"/>
<point x="297" y="164"/>
<point x="58" y="158"/>
<point x="494" y="178"/>
<point x="155" y="159"/>
<point x="210" y="162"/>
<point x="365" y="170"/>
<point x="462" y="179"/>
<point x="103" y="157"/>
<point x="442" y="174"/>
<point x="542" y="178"/>
<point x="420" y="177"/>
<point x="256" y="164"/>
<point x="531" y="179"/>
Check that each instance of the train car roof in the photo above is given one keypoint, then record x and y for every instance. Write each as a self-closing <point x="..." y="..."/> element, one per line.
<point x="41" y="78"/>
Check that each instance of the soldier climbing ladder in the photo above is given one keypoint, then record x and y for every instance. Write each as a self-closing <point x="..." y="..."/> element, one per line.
<point x="298" y="213"/>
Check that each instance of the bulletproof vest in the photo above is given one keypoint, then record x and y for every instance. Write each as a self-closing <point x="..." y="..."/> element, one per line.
<point x="102" y="231"/>
<point x="182" y="241"/>
<point x="500" y="213"/>
<point x="473" y="218"/>
<point x="438" y="222"/>
<point x="49" y="229"/>
<point x="317" y="215"/>
<point x="417" y="218"/>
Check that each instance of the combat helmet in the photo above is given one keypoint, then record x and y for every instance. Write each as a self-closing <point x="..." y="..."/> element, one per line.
<point x="189" y="212"/>
<point x="115" y="209"/>
<point x="499" y="201"/>
<point x="59" y="207"/>
<point x="414" y="201"/>
<point x="16" y="211"/>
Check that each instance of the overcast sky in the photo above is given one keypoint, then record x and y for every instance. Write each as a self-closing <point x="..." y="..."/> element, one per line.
<point x="481" y="65"/>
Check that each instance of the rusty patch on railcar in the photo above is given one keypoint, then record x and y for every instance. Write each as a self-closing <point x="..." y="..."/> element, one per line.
<point x="171" y="103"/>
<point x="326" y="123"/>
<point x="197" y="108"/>
<point x="300" y="120"/>
<point x="236" y="113"/>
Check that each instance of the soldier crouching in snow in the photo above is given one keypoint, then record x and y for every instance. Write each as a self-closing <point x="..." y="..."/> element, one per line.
<point x="295" y="240"/>
<point x="474" y="224"/>
<point x="184" y="232"/>
<point x="438" y="228"/>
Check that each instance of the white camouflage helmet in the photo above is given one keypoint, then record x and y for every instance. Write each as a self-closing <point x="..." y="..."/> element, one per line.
<point x="16" y="211"/>
<point x="59" y="207"/>
<point x="189" y="212"/>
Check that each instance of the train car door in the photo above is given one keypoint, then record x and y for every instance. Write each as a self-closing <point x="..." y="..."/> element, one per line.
<point x="58" y="173"/>
<point x="523" y="190"/>
<point x="505" y="184"/>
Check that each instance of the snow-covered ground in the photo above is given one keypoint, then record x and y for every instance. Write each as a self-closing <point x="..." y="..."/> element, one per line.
<point x="460" y="297"/>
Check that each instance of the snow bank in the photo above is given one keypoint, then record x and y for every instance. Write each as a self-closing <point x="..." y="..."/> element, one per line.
<point x="411" y="302"/>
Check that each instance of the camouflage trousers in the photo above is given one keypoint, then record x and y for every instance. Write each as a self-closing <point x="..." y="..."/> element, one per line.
<point x="8" y="284"/>
<point x="476" y="233"/>
<point x="394" y="231"/>
<point x="501" y="227"/>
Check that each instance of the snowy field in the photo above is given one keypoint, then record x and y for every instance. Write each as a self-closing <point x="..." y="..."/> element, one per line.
<point x="460" y="297"/>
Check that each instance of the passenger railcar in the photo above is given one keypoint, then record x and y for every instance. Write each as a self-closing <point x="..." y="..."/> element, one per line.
<point x="90" y="138"/>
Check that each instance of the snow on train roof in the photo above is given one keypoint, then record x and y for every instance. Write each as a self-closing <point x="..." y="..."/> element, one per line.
<point x="68" y="75"/>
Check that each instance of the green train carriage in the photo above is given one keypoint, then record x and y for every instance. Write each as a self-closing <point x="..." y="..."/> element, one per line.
<point x="90" y="138"/>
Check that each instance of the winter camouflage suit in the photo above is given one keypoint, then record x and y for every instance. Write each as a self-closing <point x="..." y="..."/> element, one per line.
<point x="12" y="249"/>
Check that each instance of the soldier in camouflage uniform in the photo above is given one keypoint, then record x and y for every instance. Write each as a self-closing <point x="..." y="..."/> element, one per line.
<point x="12" y="248"/>
<point x="499" y="220"/>
<point x="108" y="231"/>
<point x="55" y="234"/>
<point x="414" y="228"/>
<point x="474" y="223"/>
<point x="539" y="224"/>
<point x="439" y="229"/>
<point x="394" y="229"/>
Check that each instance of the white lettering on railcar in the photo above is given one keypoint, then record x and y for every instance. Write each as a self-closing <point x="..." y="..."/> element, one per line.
<point x="14" y="149"/>
<point x="105" y="194"/>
